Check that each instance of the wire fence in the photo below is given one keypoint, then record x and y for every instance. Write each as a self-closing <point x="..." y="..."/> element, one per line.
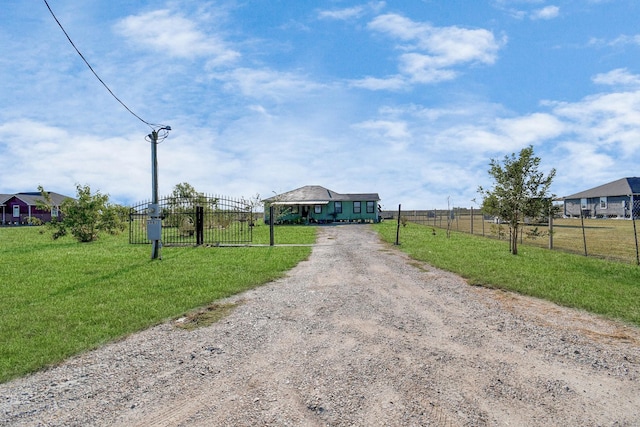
<point x="614" y="239"/>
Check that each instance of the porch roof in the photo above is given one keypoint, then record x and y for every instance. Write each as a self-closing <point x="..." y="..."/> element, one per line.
<point x="302" y="202"/>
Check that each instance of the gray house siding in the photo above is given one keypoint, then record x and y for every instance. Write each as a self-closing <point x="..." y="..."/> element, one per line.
<point x="613" y="200"/>
<point x="615" y="207"/>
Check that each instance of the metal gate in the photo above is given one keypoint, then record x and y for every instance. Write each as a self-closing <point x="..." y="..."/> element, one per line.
<point x="199" y="220"/>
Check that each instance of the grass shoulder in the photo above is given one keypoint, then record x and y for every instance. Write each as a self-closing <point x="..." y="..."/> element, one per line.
<point x="602" y="287"/>
<point x="59" y="297"/>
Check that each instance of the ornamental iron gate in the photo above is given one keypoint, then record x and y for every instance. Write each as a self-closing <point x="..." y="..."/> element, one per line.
<point x="199" y="220"/>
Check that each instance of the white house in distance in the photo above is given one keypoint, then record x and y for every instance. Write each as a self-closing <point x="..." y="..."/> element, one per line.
<point x="617" y="199"/>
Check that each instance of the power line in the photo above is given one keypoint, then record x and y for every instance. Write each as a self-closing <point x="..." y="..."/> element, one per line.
<point x="152" y="125"/>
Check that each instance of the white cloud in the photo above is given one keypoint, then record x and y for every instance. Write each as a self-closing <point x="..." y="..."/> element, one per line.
<point x="532" y="129"/>
<point x="342" y="14"/>
<point x="265" y="83"/>
<point x="59" y="159"/>
<point x="373" y="83"/>
<point x="548" y="12"/>
<point x="431" y="52"/>
<point x="425" y="68"/>
<point x="351" y="12"/>
<point x="622" y="40"/>
<point x="515" y="9"/>
<point x="619" y="76"/>
<point x="607" y="121"/>
<point x="386" y="129"/>
<point x="174" y="35"/>
<point x="582" y="161"/>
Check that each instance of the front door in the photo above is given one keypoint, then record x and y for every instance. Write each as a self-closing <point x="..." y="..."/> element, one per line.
<point x="16" y="211"/>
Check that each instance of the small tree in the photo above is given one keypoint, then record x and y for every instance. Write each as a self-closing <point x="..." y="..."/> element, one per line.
<point x="181" y="210"/>
<point x="519" y="191"/>
<point x="85" y="216"/>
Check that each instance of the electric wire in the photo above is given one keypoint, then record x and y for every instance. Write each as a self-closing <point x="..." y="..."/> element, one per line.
<point x="151" y="125"/>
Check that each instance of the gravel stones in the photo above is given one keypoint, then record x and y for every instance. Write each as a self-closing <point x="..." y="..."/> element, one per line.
<point x="358" y="335"/>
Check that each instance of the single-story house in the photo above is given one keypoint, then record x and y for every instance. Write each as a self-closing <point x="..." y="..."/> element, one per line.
<point x="20" y="208"/>
<point x="316" y="204"/>
<point x="617" y="199"/>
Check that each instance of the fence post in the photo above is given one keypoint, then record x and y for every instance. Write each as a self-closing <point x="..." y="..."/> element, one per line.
<point x="471" y="219"/>
<point x="635" y="234"/>
<point x="398" y="228"/>
<point x="199" y="225"/>
<point x="550" y="229"/>
<point x="584" y="236"/>
<point x="271" y="222"/>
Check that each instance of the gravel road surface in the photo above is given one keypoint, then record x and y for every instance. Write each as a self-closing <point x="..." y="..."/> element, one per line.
<point x="357" y="335"/>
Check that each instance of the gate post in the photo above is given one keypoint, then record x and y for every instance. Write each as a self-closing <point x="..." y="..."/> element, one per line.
<point x="271" y="222"/>
<point x="199" y="225"/>
<point x="398" y="229"/>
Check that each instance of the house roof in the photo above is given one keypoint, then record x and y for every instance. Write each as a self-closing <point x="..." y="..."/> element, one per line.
<point x="620" y="187"/>
<point x="31" y="198"/>
<point x="316" y="194"/>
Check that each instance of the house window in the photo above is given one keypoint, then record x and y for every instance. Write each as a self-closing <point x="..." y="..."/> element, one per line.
<point x="583" y="204"/>
<point x="317" y="209"/>
<point x="603" y="203"/>
<point x="356" y="207"/>
<point x="370" y="207"/>
<point x="54" y="212"/>
<point x="337" y="207"/>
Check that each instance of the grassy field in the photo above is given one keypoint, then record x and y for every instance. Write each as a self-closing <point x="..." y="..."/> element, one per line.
<point x="607" y="288"/>
<point x="59" y="298"/>
<point x="606" y="238"/>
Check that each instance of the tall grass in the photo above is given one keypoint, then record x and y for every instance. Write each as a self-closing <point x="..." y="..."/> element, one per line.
<point x="607" y="288"/>
<point x="59" y="298"/>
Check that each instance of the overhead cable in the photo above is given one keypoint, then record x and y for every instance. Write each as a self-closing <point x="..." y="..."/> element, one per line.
<point x="152" y="125"/>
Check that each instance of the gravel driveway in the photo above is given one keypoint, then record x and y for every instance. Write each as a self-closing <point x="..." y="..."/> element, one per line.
<point x="358" y="335"/>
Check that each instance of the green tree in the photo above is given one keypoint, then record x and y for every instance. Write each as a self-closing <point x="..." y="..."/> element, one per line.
<point x="520" y="190"/>
<point x="86" y="215"/>
<point x="181" y="210"/>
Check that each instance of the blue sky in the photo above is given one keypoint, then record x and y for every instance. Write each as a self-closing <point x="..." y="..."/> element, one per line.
<point x="410" y="99"/>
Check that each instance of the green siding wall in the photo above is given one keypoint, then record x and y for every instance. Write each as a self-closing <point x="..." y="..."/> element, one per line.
<point x="327" y="213"/>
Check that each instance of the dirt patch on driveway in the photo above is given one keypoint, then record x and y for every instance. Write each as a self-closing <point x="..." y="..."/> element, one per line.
<point x="357" y="335"/>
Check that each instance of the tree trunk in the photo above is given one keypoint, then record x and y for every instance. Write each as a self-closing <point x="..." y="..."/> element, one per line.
<point x="514" y="240"/>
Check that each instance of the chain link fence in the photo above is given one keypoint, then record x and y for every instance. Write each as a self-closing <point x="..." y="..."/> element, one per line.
<point x="615" y="239"/>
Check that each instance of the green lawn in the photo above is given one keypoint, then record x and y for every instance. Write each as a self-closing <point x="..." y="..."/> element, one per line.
<point x="59" y="298"/>
<point x="603" y="287"/>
